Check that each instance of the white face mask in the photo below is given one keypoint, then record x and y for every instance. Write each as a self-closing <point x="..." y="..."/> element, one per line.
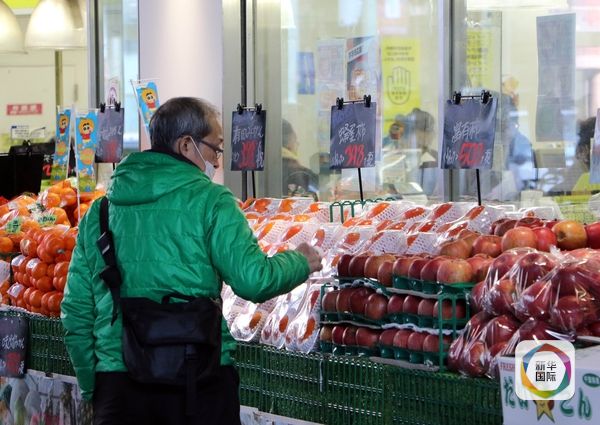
<point x="209" y="169"/>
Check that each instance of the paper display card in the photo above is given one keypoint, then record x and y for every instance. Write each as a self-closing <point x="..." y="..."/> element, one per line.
<point x="248" y="140"/>
<point x="86" y="133"/>
<point x="147" y="100"/>
<point x="469" y="131"/>
<point x="19" y="132"/>
<point x="352" y="136"/>
<point x="13" y="346"/>
<point x="60" y="162"/>
<point x="110" y="135"/>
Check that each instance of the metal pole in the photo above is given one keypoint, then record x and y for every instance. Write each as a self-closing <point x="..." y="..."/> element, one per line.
<point x="244" y="95"/>
<point x="58" y="77"/>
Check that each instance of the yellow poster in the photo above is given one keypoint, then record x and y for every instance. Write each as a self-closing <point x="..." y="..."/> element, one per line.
<point x="481" y="59"/>
<point x="400" y="67"/>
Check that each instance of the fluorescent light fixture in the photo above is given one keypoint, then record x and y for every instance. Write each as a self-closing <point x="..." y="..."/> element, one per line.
<point x="11" y="37"/>
<point x="515" y="4"/>
<point x="56" y="25"/>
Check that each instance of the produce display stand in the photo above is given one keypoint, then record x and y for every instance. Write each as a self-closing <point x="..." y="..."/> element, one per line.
<point x="319" y="387"/>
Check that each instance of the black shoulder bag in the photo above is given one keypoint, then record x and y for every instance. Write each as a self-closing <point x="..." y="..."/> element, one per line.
<point x="168" y="343"/>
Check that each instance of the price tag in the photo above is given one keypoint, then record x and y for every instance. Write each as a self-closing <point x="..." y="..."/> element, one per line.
<point x="19" y="132"/>
<point x="469" y="130"/>
<point x="352" y="136"/>
<point x="248" y="140"/>
<point x="13" y="226"/>
<point x="13" y="346"/>
<point x="47" y="220"/>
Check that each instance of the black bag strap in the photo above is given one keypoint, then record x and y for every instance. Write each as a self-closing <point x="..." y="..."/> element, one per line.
<point x="110" y="274"/>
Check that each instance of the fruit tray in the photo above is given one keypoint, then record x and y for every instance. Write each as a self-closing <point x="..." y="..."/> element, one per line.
<point x="412" y="356"/>
<point x="353" y="319"/>
<point x="354" y="350"/>
<point x="430" y="288"/>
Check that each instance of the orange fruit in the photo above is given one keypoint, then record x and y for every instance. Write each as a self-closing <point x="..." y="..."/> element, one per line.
<point x="50" y="200"/>
<point x="59" y="283"/>
<point x="61" y="269"/>
<point x="291" y="232"/>
<point x="377" y="209"/>
<point x="68" y="196"/>
<point x="44" y="284"/>
<point x="54" y="302"/>
<point x="301" y="217"/>
<point x="6" y="245"/>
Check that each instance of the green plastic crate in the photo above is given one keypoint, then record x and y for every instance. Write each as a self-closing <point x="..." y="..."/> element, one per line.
<point x="426" y="398"/>
<point x="47" y="350"/>
<point x="355" y="392"/>
<point x="293" y="383"/>
<point x="248" y="359"/>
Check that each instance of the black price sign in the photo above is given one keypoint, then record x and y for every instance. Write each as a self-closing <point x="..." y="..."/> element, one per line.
<point x="469" y="130"/>
<point x="110" y="140"/>
<point x="352" y="136"/>
<point x="248" y="140"/>
<point x="13" y="346"/>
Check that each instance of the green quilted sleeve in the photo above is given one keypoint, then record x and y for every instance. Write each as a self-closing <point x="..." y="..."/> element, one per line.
<point x="235" y="253"/>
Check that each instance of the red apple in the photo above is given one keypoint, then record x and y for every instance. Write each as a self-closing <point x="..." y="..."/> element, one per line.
<point x="415" y="341"/>
<point x="500" y="329"/>
<point x="402" y="265"/>
<point x="343" y="265"/>
<point x="349" y="337"/>
<point x="395" y="304"/>
<point x="488" y="244"/>
<point x="326" y="333"/>
<point x="583" y="331"/>
<point x="571" y="311"/>
<point x="498" y="348"/>
<point x="530" y="222"/>
<point x="480" y="264"/>
<point x="455" y="271"/>
<point x="384" y="274"/>
<point x="401" y="338"/>
<point x="376" y="308"/>
<point x="592" y="232"/>
<point x="503" y="263"/>
<point x="476" y="324"/>
<point x="477" y="295"/>
<point x="594" y="328"/>
<point x="531" y="267"/>
<point x="358" y="300"/>
<point x="367" y="337"/>
<point x="498" y="223"/>
<point x="475" y="359"/>
<point x="533" y="329"/>
<point x="356" y="268"/>
<point x="455" y="352"/>
<point x="535" y="301"/>
<point x="550" y="223"/>
<point x="337" y="334"/>
<point x="429" y="270"/>
<point x="570" y="234"/>
<point x="329" y="301"/>
<point x="387" y="337"/>
<point x="501" y="228"/>
<point x="460" y="310"/>
<point x="343" y="300"/>
<point x="426" y="307"/>
<point x="374" y="262"/>
<point x="545" y="238"/>
<point x="501" y="297"/>
<point x="411" y="304"/>
<point x="431" y="343"/>
<point x="415" y="268"/>
<point x="455" y="249"/>
<point x="519" y="237"/>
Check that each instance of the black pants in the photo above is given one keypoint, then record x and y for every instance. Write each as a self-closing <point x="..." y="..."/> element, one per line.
<point x="118" y="400"/>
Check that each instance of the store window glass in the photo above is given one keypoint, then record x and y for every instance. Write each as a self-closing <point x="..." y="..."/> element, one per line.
<point x="349" y="48"/>
<point x="541" y="59"/>
<point x="34" y="80"/>
<point x="119" y="51"/>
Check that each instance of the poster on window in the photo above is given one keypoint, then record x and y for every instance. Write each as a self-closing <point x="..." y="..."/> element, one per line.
<point x="60" y="161"/>
<point x="555" y="114"/>
<point x="86" y="141"/>
<point x="362" y="67"/>
<point x="469" y="131"/>
<point x="147" y="99"/>
<point x="595" y="154"/>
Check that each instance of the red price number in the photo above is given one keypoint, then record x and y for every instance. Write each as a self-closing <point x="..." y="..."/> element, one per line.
<point x="355" y="155"/>
<point x="471" y="154"/>
<point x="248" y="160"/>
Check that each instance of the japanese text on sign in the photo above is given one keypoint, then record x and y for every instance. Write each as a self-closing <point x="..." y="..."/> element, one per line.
<point x="248" y="140"/>
<point x="352" y="136"/>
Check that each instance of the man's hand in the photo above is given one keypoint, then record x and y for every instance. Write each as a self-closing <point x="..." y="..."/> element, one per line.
<point x="312" y="255"/>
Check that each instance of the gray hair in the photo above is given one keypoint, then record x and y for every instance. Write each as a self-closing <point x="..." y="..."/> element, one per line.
<point x="178" y="117"/>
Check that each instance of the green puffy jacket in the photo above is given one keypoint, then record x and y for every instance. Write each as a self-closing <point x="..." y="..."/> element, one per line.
<point x="174" y="230"/>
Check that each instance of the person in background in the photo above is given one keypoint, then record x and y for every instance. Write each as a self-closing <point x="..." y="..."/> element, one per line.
<point x="297" y="179"/>
<point x="394" y="139"/>
<point x="421" y="135"/>
<point x="174" y="230"/>
<point x="582" y="154"/>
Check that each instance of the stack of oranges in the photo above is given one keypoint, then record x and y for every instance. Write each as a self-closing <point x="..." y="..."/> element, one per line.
<point x="40" y="271"/>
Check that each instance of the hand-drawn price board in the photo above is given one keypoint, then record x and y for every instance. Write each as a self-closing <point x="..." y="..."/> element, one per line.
<point x="13" y="346"/>
<point x="110" y="140"/>
<point x="352" y="137"/>
<point x="469" y="129"/>
<point x="248" y="140"/>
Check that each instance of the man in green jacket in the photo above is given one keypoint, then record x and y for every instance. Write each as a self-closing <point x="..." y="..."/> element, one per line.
<point x="174" y="230"/>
